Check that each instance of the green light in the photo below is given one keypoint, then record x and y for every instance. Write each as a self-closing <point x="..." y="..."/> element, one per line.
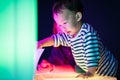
<point x="18" y="35"/>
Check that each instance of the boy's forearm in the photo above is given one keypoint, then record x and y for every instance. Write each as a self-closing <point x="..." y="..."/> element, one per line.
<point x="46" y="42"/>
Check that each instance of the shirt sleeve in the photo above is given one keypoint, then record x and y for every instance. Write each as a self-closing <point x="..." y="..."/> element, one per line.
<point x="91" y="47"/>
<point x="59" y="39"/>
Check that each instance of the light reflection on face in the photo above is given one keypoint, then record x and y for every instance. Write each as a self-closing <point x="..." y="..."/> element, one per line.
<point x="57" y="29"/>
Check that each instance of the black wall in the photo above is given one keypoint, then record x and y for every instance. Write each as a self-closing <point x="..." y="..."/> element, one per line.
<point x="104" y="15"/>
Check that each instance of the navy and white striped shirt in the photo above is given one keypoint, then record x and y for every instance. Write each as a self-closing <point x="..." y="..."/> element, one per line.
<point x="88" y="50"/>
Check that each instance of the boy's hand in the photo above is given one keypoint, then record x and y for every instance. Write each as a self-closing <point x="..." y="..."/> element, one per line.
<point x="90" y="73"/>
<point x="85" y="75"/>
<point x="39" y="44"/>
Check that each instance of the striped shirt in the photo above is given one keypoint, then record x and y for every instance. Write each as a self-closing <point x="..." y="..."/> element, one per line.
<point x="88" y="50"/>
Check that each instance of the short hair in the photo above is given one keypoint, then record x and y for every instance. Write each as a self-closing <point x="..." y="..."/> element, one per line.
<point x="72" y="5"/>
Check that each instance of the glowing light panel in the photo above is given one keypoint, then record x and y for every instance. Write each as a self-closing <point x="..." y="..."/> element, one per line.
<point x="18" y="35"/>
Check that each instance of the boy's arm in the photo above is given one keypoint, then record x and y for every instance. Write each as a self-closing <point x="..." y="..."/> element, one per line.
<point x="90" y="73"/>
<point x="45" y="42"/>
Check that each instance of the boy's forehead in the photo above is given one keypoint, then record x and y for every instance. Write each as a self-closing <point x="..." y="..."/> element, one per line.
<point x="59" y="18"/>
<point x="64" y="14"/>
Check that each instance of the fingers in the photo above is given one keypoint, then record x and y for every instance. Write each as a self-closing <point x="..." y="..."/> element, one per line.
<point x="39" y="44"/>
<point x="84" y="75"/>
<point x="81" y="76"/>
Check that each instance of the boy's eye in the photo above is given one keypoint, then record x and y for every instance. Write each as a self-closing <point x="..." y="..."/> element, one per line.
<point x="65" y="23"/>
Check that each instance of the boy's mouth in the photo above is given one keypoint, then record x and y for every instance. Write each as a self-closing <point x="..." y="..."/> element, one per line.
<point x="68" y="32"/>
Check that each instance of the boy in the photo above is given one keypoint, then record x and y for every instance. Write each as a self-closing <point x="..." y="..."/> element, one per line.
<point x="90" y="55"/>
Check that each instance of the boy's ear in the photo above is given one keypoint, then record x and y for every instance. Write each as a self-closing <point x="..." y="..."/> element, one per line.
<point x="78" y="16"/>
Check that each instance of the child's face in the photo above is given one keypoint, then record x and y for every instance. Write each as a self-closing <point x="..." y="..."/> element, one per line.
<point x="67" y="22"/>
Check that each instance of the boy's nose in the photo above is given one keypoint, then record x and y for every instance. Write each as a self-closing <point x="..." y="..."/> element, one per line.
<point x="64" y="27"/>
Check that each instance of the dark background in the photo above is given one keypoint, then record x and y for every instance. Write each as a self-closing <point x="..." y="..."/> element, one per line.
<point x="103" y="15"/>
